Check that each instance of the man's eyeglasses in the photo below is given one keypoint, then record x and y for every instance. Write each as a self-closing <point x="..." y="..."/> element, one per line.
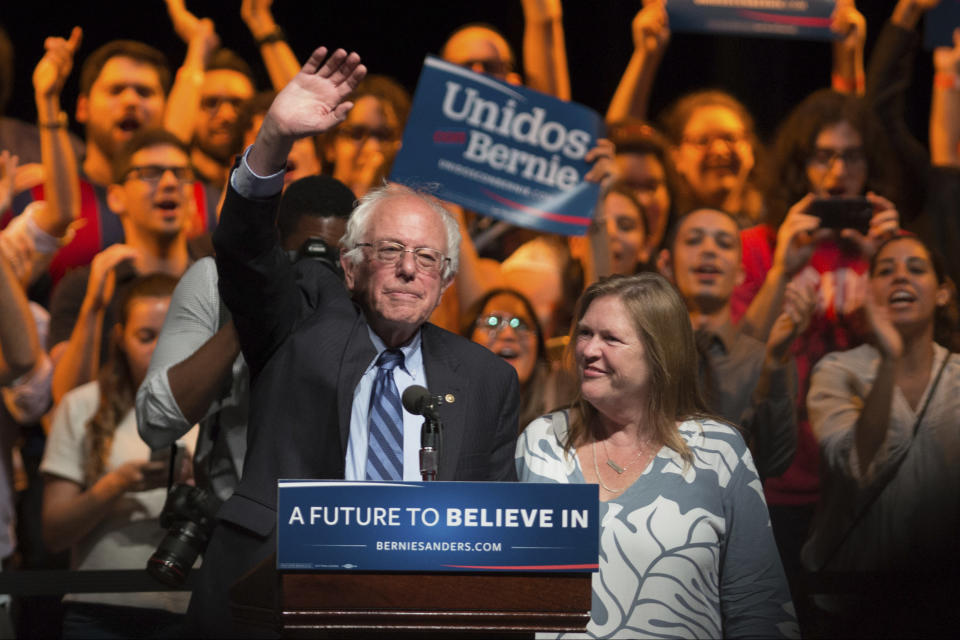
<point x="494" y="323"/>
<point x="825" y="157"/>
<point x="360" y="134"/>
<point x="427" y="260"/>
<point x="152" y="173"/>
<point x="213" y="103"/>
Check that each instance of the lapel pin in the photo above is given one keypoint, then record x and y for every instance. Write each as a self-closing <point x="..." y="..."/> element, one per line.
<point x="449" y="398"/>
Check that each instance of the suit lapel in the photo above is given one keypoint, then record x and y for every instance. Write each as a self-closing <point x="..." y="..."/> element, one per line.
<point x="444" y="379"/>
<point x="357" y="355"/>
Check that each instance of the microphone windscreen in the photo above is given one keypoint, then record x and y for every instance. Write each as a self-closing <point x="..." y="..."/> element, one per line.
<point x="415" y="399"/>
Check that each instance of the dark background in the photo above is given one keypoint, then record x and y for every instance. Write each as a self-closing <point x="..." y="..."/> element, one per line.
<point x="769" y="76"/>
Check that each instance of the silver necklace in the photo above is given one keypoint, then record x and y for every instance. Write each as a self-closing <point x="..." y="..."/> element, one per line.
<point x="613" y="465"/>
<point x="596" y="468"/>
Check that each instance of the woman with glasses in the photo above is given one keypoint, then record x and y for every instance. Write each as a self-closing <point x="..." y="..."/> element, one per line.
<point x="505" y="323"/>
<point x="685" y="545"/>
<point x="828" y="152"/>
<point x="715" y="154"/>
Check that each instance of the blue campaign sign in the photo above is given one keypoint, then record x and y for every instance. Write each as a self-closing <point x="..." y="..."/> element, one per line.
<point x="501" y="150"/>
<point x="436" y="526"/>
<point x="796" y="19"/>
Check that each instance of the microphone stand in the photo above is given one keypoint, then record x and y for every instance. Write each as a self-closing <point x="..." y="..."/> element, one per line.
<point x="430" y="439"/>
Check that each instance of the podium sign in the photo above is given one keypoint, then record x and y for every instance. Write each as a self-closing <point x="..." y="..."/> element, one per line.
<point x="795" y="19"/>
<point x="499" y="149"/>
<point x="437" y="526"/>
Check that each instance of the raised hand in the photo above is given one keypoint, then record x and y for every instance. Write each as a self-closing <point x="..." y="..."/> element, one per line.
<point x="257" y="16"/>
<point x="889" y="341"/>
<point x="850" y="25"/>
<point x="313" y="102"/>
<point x="884" y="224"/>
<point x="602" y="158"/>
<point x="184" y="22"/>
<point x="55" y="65"/>
<point x="651" y="27"/>
<point x="797" y="238"/>
<point x="799" y="303"/>
<point x="203" y="42"/>
<point x="103" y="277"/>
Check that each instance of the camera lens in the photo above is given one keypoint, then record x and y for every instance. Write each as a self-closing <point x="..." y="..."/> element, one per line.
<point x="176" y="553"/>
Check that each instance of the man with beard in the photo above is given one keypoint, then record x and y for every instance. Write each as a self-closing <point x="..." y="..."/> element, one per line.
<point x="152" y="194"/>
<point x="123" y="87"/>
<point x="123" y="91"/>
<point x="747" y="383"/>
<point x="227" y="85"/>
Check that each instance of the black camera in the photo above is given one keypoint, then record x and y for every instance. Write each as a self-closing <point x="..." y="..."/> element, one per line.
<point x="189" y="515"/>
<point x="316" y="248"/>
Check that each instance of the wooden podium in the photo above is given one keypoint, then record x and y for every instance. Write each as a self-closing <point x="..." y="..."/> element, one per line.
<point x="358" y="605"/>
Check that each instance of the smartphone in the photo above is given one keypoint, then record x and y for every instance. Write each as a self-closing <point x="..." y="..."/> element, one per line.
<point x="843" y="213"/>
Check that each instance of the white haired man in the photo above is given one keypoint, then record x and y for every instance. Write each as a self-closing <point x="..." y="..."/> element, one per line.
<point x="328" y="364"/>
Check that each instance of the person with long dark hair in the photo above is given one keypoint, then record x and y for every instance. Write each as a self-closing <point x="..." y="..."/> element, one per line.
<point x="886" y="416"/>
<point x="829" y="147"/>
<point x="685" y="544"/>
<point x="103" y="493"/>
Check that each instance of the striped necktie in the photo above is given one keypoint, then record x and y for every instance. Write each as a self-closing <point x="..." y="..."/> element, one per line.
<point x="385" y="446"/>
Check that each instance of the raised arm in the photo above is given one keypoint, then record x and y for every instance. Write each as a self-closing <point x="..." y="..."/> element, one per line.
<point x="851" y="414"/>
<point x="651" y="32"/>
<point x="312" y="103"/>
<point x="61" y="185"/>
<point x="192" y="362"/>
<point x="889" y="76"/>
<point x="256" y="279"/>
<point x="77" y="360"/>
<point x="851" y="29"/>
<point x="278" y="57"/>
<point x="544" y="50"/>
<point x="945" y="106"/>
<point x="772" y="419"/>
<point x="475" y="275"/>
<point x="19" y="347"/>
<point x="180" y="116"/>
<point x="796" y="240"/>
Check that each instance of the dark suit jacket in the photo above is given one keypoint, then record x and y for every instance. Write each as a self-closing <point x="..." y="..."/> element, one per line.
<point x="307" y="346"/>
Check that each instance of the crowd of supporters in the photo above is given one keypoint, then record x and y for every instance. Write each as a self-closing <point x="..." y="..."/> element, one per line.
<point x="827" y="345"/>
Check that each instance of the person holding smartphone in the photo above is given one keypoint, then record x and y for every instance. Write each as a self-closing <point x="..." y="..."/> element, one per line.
<point x="103" y="491"/>
<point x="828" y="148"/>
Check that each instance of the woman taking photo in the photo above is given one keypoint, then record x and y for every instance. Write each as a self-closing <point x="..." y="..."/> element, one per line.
<point x="829" y="147"/>
<point x="103" y="493"/>
<point x="886" y="416"/>
<point x="685" y="543"/>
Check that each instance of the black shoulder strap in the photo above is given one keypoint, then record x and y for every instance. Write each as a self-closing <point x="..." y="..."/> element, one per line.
<point x="891" y="474"/>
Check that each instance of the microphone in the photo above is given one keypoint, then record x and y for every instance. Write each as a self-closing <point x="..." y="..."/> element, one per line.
<point x="419" y="401"/>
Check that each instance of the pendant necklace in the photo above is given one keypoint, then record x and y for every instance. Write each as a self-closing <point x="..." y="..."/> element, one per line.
<point x="613" y="465"/>
<point x="596" y="469"/>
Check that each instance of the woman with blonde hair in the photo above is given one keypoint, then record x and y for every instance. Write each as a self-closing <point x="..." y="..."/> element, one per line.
<point x="685" y="543"/>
